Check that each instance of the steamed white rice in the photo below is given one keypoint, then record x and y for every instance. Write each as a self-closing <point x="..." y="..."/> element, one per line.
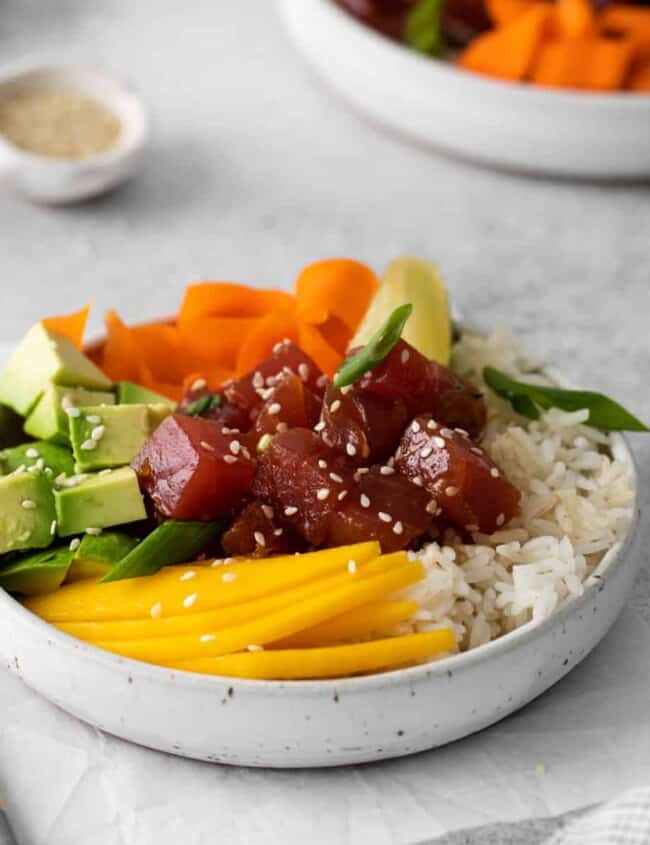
<point x="577" y="502"/>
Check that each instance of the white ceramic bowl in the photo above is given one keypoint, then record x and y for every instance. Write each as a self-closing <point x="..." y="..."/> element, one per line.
<point x="51" y="180"/>
<point x="316" y="723"/>
<point x="519" y="127"/>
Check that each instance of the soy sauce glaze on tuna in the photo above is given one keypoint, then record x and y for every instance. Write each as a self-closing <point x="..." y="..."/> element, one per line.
<point x="293" y="462"/>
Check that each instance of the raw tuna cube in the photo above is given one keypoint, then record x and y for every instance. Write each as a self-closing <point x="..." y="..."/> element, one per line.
<point x="257" y="532"/>
<point x="471" y="491"/>
<point x="288" y="404"/>
<point x="387" y="508"/>
<point x="192" y="470"/>
<point x="302" y="479"/>
<point x="227" y="414"/>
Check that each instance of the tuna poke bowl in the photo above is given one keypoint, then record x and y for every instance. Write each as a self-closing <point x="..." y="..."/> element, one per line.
<point x="282" y="488"/>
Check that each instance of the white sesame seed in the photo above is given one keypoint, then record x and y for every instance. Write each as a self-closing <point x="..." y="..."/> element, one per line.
<point x="446" y="432"/>
<point x="274" y="408"/>
<point x="73" y="481"/>
<point x="267" y="510"/>
<point x="424" y="453"/>
<point x="364" y="501"/>
<point x="228" y="577"/>
<point x="73" y="412"/>
<point x="398" y="528"/>
<point x="303" y="371"/>
<point x="319" y="426"/>
<point x="342" y="495"/>
<point x="336" y="404"/>
<point x="439" y="442"/>
<point x="322" y="464"/>
<point x="351" y="450"/>
<point x="282" y="426"/>
<point x="74" y="544"/>
<point x="476" y="450"/>
<point x="53" y="527"/>
<point x="278" y="532"/>
<point x="22" y="468"/>
<point x="290" y="510"/>
<point x="322" y="381"/>
<point x="352" y="566"/>
<point x="501" y="519"/>
<point x="28" y="504"/>
<point x="93" y="419"/>
<point x="207" y="638"/>
<point x="198" y="384"/>
<point x="348" y="388"/>
<point x="260" y="539"/>
<point x="327" y="440"/>
<point x="207" y="446"/>
<point x="417" y="480"/>
<point x="31" y="453"/>
<point x="462" y="432"/>
<point x="336" y="477"/>
<point x="156" y="610"/>
<point x="277" y="347"/>
<point x="104" y="472"/>
<point x="494" y="472"/>
<point x="322" y="494"/>
<point x="363" y="470"/>
<point x="451" y="490"/>
<point x="432" y="507"/>
<point x="432" y="425"/>
<point x="253" y="647"/>
<point x="385" y="517"/>
<point x="386" y="470"/>
<point x="188" y="601"/>
<point x="258" y="379"/>
<point x="415" y="426"/>
<point x="405" y="356"/>
<point x="40" y="464"/>
<point x="186" y="576"/>
<point x="235" y="447"/>
<point x="266" y="394"/>
<point x="89" y="445"/>
<point x="94" y="532"/>
<point x="98" y="432"/>
<point x="230" y="459"/>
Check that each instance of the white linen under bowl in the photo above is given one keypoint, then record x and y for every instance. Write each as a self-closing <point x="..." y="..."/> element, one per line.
<point x="54" y="180"/>
<point x="316" y="723"/>
<point x="513" y="126"/>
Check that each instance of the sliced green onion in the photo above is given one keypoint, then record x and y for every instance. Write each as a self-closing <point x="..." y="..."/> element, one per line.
<point x="263" y="443"/>
<point x="376" y="350"/>
<point x="527" y="399"/>
<point x="204" y="403"/>
<point x="423" y="29"/>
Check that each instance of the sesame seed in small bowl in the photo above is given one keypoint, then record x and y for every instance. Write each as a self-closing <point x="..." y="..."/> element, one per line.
<point x="68" y="132"/>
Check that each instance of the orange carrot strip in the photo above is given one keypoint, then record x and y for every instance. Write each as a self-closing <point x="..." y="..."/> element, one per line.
<point x="164" y="352"/>
<point x="122" y="358"/>
<point x="259" y="343"/>
<point x="216" y="340"/>
<point x="224" y="299"/>
<point x="319" y="350"/>
<point x="337" y="287"/>
<point x="597" y="64"/>
<point x="508" y="52"/>
<point x="632" y="21"/>
<point x="574" y="19"/>
<point x="505" y="11"/>
<point x="71" y="325"/>
<point x="639" y="79"/>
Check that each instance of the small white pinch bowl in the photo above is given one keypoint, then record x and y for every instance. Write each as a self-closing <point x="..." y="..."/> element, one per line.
<point x="512" y="126"/>
<point x="52" y="180"/>
<point x="304" y="724"/>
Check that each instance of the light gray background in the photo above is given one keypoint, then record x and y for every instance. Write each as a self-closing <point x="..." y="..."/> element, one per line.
<point x="255" y="168"/>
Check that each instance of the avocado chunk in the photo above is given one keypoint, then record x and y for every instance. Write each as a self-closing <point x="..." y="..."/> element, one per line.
<point x="48" y="457"/>
<point x="98" y="501"/>
<point x="11" y="428"/>
<point x="27" y="515"/>
<point x="129" y="393"/>
<point x="45" y="356"/>
<point x="112" y="436"/>
<point x="96" y="554"/>
<point x="37" y="573"/>
<point x="49" y="418"/>
<point x="173" y="541"/>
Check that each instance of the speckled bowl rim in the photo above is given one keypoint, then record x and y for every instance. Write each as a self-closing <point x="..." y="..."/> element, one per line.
<point x="453" y="663"/>
<point x="535" y="94"/>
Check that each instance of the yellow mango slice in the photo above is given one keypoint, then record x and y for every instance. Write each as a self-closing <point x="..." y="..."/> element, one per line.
<point x="191" y="622"/>
<point x="212" y="587"/>
<point x="275" y="626"/>
<point x="329" y="662"/>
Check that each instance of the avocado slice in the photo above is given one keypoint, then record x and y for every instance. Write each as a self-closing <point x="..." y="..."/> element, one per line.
<point x="44" y="356"/>
<point x="37" y="573"/>
<point x="50" y="458"/>
<point x="49" y="418"/>
<point x="129" y="393"/>
<point x="173" y="541"/>
<point x="27" y="514"/>
<point x="99" y="500"/>
<point x="96" y="554"/>
<point x="11" y="428"/>
<point x="112" y="436"/>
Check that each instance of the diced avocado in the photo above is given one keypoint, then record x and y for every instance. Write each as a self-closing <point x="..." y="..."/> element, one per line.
<point x="27" y="515"/>
<point x="45" y="356"/>
<point x="173" y="541"/>
<point x="112" y="436"/>
<point x="129" y="393"/>
<point x="157" y="413"/>
<point x="48" y="457"/>
<point x="37" y="573"/>
<point x="99" y="501"/>
<point x="49" y="418"/>
<point x="96" y="554"/>
<point x="11" y="428"/>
